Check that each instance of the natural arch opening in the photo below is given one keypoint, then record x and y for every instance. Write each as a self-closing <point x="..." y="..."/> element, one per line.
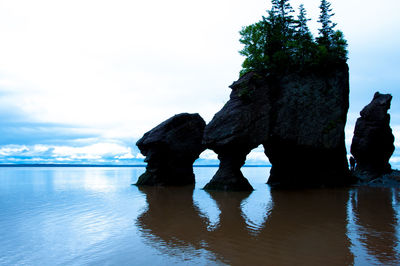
<point x="255" y="164"/>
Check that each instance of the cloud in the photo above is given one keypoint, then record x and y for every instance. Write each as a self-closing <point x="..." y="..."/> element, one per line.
<point x="95" y="153"/>
<point x="255" y="157"/>
<point x="77" y="73"/>
<point x="12" y="149"/>
<point x="208" y="155"/>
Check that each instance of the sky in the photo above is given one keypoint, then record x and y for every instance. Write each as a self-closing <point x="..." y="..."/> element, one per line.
<point x="82" y="81"/>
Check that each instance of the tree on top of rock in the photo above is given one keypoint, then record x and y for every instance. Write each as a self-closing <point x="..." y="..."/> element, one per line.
<point x="302" y="29"/>
<point x="279" y="31"/>
<point x="332" y="45"/>
<point x="326" y="31"/>
<point x="304" y="44"/>
<point x="278" y="42"/>
<point x="281" y="10"/>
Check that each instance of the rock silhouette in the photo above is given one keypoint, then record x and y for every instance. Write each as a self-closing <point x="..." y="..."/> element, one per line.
<point x="299" y="118"/>
<point x="372" y="144"/>
<point x="171" y="149"/>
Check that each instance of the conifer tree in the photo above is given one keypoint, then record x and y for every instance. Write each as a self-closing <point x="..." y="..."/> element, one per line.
<point x="303" y="43"/>
<point x="279" y="27"/>
<point x="281" y="12"/>
<point x="332" y="45"/>
<point x="278" y="43"/>
<point x="301" y="23"/>
<point x="326" y="31"/>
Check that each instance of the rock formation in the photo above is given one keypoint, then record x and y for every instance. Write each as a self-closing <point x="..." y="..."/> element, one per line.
<point x="171" y="149"/>
<point x="372" y="144"/>
<point x="241" y="125"/>
<point x="300" y="120"/>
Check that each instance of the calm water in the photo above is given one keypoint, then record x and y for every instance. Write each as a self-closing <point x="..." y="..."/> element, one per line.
<point x="93" y="216"/>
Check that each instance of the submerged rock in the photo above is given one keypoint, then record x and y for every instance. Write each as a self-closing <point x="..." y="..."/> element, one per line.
<point x="300" y="120"/>
<point x="372" y="144"/>
<point x="171" y="149"/>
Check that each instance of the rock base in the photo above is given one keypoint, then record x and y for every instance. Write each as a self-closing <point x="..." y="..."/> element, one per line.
<point x="149" y="178"/>
<point x="229" y="177"/>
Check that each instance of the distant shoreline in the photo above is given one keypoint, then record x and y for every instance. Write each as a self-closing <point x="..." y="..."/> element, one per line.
<point x="107" y="165"/>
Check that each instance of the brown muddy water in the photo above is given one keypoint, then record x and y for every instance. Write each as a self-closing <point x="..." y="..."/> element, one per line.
<point x="87" y="216"/>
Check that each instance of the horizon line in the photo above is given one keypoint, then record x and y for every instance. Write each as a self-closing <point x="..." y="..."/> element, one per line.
<point x="109" y="165"/>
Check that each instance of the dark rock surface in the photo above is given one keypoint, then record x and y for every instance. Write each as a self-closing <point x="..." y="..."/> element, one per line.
<point x="300" y="120"/>
<point x="171" y="149"/>
<point x="388" y="180"/>
<point x="372" y="144"/>
<point x="240" y="126"/>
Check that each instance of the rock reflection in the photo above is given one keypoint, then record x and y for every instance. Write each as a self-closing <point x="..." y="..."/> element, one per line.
<point x="307" y="226"/>
<point x="232" y="241"/>
<point x="376" y="219"/>
<point x="172" y="217"/>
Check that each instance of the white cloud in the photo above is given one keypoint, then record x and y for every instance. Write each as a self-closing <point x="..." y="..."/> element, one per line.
<point x="127" y="155"/>
<point x="257" y="156"/>
<point x="12" y="149"/>
<point x="121" y="67"/>
<point x="140" y="156"/>
<point x="208" y="155"/>
<point x="95" y="153"/>
<point x="395" y="159"/>
<point x="396" y="133"/>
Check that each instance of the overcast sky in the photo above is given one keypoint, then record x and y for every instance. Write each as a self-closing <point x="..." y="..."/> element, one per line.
<point x="81" y="81"/>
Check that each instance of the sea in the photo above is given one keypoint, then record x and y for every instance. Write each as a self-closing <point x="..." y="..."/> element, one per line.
<point x="95" y="216"/>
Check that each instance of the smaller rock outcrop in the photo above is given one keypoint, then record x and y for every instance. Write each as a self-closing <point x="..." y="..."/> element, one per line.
<point x="171" y="149"/>
<point x="372" y="144"/>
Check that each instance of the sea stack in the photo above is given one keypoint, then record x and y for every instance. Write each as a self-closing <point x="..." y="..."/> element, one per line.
<point x="171" y="149"/>
<point x="372" y="144"/>
<point x="299" y="118"/>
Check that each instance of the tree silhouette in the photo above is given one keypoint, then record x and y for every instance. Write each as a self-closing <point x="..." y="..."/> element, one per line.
<point x="278" y="43"/>
<point x="326" y="31"/>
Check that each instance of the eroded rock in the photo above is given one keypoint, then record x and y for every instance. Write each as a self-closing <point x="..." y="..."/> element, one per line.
<point x="300" y="120"/>
<point x="372" y="144"/>
<point x="306" y="145"/>
<point x="240" y="126"/>
<point x="171" y="149"/>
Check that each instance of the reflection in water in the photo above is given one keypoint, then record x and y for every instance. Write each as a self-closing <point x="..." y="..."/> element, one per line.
<point x="376" y="220"/>
<point x="172" y="217"/>
<point x="307" y="226"/>
<point x="82" y="216"/>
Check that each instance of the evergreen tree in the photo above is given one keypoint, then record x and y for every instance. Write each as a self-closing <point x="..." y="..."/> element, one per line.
<point x="282" y="20"/>
<point x="332" y="45"/>
<point x="278" y="43"/>
<point x="339" y="46"/>
<point x="301" y="24"/>
<point x="304" y="44"/>
<point x="280" y="35"/>
<point x="326" y="32"/>
<point x="282" y="8"/>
